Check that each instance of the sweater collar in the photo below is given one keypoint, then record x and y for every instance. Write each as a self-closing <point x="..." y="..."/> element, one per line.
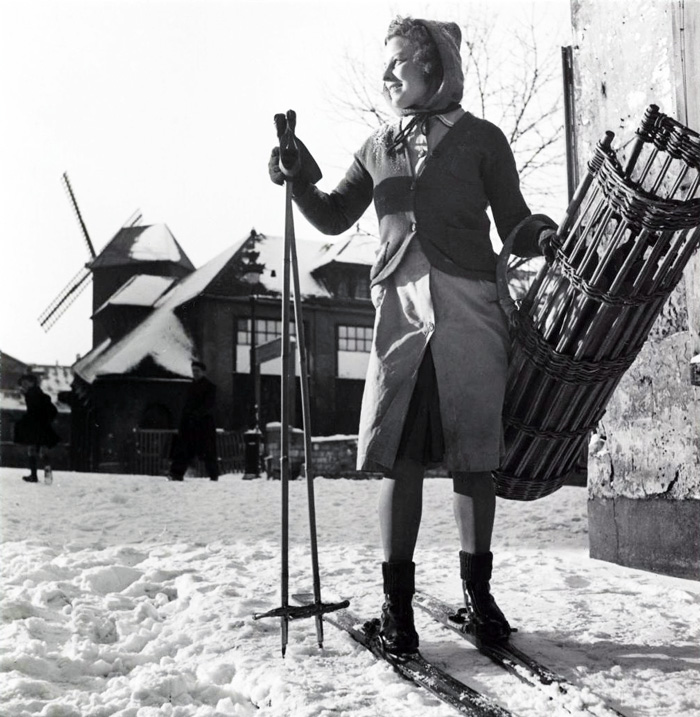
<point x="448" y="118"/>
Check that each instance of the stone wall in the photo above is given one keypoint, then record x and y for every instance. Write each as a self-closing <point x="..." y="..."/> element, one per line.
<point x="272" y="447"/>
<point x="335" y="456"/>
<point x="644" y="483"/>
<point x="332" y="456"/>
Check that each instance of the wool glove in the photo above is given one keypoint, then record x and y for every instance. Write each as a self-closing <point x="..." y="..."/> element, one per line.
<point x="546" y="245"/>
<point x="309" y="171"/>
<point x="299" y="184"/>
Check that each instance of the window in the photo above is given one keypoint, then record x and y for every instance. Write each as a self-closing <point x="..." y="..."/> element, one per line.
<point x="347" y="281"/>
<point x="353" y="346"/>
<point x="362" y="286"/>
<point x="355" y="338"/>
<point x="265" y="330"/>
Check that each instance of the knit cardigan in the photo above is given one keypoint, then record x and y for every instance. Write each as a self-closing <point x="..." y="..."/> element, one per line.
<point x="444" y="206"/>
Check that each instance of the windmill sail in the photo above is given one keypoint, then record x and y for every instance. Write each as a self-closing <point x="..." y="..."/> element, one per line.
<point x="79" y="216"/>
<point x="53" y="312"/>
<point x="134" y="220"/>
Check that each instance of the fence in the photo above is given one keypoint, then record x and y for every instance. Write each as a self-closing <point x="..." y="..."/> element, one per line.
<point x="151" y="452"/>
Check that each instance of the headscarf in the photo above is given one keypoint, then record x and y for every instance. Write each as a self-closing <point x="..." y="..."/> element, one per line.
<point x="447" y="37"/>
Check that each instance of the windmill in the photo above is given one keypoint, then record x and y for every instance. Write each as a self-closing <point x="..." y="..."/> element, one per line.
<point x="53" y="312"/>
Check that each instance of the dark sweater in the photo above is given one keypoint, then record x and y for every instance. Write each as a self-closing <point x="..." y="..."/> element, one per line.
<point x="200" y="402"/>
<point x="444" y="207"/>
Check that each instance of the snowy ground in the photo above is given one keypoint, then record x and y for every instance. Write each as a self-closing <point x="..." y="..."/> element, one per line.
<point x="133" y="596"/>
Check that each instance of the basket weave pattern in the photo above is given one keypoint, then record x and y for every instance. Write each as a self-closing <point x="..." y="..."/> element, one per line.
<point x="621" y="249"/>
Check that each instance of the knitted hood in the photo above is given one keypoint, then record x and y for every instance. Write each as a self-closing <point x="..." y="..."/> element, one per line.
<point x="448" y="38"/>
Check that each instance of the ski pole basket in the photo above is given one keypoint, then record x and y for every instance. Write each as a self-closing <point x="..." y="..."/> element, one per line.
<point x="620" y="250"/>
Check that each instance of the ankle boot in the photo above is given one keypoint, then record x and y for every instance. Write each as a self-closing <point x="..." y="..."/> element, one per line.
<point x="397" y="630"/>
<point x="484" y="618"/>
<point x="32" y="477"/>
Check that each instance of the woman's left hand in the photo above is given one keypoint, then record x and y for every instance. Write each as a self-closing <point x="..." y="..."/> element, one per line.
<point x="546" y="245"/>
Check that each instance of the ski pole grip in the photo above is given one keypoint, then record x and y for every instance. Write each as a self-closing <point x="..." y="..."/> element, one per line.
<point x="295" y="160"/>
<point x="280" y="125"/>
<point x="291" y="121"/>
<point x="290" y="156"/>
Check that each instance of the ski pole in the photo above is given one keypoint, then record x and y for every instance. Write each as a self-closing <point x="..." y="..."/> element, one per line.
<point x="304" y="379"/>
<point x="289" y="165"/>
<point x="306" y="418"/>
<point x="284" y="428"/>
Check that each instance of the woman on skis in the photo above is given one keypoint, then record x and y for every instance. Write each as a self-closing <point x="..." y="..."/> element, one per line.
<point x="437" y="370"/>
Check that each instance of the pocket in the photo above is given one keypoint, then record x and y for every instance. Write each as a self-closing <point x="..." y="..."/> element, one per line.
<point x="380" y="260"/>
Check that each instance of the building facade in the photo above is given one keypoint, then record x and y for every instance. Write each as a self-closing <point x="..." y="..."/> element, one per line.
<point x="152" y="326"/>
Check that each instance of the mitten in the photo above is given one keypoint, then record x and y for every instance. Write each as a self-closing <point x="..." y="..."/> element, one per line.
<point x="546" y="244"/>
<point x="293" y="156"/>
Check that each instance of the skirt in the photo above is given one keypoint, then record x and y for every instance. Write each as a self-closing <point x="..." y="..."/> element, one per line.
<point x="448" y="413"/>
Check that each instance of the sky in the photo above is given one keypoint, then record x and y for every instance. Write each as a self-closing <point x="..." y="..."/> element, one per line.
<point x="166" y="106"/>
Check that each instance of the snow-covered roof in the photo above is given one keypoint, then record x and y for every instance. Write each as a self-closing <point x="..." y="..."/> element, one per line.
<point x="358" y="248"/>
<point x="139" y="290"/>
<point x="311" y="254"/>
<point x="142" y="244"/>
<point x="162" y="337"/>
<point x="54" y="378"/>
<point x="271" y="250"/>
<point x="193" y="285"/>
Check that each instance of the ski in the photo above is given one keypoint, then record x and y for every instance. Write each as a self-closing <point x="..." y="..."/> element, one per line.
<point x="509" y="657"/>
<point x="415" y="667"/>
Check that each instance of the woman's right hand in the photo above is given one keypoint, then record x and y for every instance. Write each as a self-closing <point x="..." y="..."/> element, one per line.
<point x="308" y="171"/>
<point x="300" y="183"/>
<point x="273" y="167"/>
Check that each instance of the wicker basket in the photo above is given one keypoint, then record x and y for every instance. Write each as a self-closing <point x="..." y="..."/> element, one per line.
<point x="620" y="251"/>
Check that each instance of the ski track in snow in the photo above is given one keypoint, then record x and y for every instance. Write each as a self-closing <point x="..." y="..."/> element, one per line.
<point x="131" y="596"/>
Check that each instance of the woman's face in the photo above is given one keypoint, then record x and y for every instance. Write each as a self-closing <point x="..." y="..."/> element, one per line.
<point x="404" y="80"/>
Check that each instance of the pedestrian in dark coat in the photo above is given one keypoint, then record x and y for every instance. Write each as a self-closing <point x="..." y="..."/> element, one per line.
<point x="196" y="436"/>
<point x="437" y="370"/>
<point x="35" y="429"/>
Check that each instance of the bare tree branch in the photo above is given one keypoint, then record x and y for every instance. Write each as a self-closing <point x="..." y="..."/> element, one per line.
<point x="510" y="79"/>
